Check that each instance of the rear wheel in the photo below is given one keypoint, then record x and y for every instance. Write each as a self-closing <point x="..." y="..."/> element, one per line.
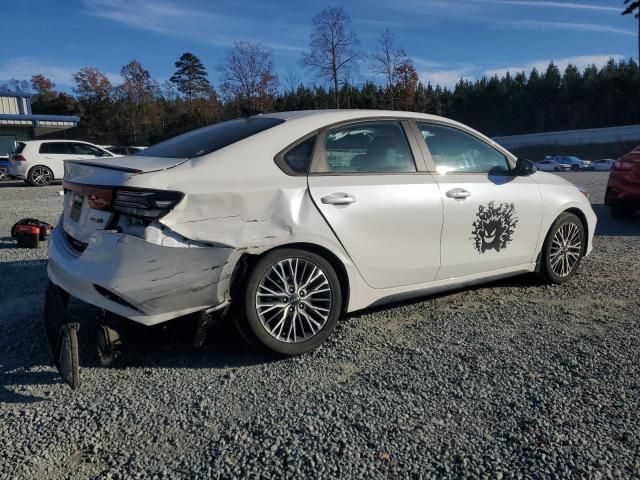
<point x="292" y="301"/>
<point x="40" y="176"/>
<point x="556" y="169"/>
<point x="3" y="173"/>
<point x="562" y="250"/>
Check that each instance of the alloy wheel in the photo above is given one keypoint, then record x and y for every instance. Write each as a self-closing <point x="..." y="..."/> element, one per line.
<point x="3" y="173"/>
<point x="566" y="248"/>
<point x="41" y="176"/>
<point x="293" y="300"/>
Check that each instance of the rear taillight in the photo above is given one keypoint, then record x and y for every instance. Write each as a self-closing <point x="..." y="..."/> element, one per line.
<point x="145" y="203"/>
<point x="139" y="203"/>
<point x="622" y="165"/>
<point x="18" y="158"/>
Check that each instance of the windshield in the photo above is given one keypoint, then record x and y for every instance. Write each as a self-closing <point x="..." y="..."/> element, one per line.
<point x="209" y="139"/>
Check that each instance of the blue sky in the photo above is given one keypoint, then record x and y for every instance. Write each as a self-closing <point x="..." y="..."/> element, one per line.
<point x="447" y="39"/>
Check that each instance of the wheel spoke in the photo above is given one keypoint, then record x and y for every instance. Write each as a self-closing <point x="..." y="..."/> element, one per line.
<point x="294" y="300"/>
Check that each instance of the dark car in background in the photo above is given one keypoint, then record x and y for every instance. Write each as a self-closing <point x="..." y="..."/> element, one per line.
<point x="623" y="189"/>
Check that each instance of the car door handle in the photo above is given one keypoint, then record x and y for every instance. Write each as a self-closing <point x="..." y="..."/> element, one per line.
<point x="338" y="199"/>
<point x="458" y="193"/>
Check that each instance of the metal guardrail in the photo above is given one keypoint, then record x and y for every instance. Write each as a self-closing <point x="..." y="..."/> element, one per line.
<point x="628" y="133"/>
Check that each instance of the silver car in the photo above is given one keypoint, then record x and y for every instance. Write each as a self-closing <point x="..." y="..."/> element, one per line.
<point x="284" y="221"/>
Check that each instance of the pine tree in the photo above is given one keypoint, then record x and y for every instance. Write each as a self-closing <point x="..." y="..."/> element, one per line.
<point x="191" y="77"/>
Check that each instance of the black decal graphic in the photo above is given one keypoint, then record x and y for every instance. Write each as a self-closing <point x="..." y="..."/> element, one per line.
<point x="494" y="227"/>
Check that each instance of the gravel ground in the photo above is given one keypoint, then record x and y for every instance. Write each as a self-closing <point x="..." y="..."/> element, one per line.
<point x="510" y="380"/>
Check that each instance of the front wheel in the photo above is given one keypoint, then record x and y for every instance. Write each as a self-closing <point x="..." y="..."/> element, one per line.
<point x="563" y="248"/>
<point x="575" y="168"/>
<point x="40" y="176"/>
<point x="292" y="301"/>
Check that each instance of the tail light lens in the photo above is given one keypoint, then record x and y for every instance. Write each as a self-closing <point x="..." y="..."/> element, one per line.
<point x="149" y="204"/>
<point x="18" y="158"/>
<point x="145" y="203"/>
<point x="622" y="165"/>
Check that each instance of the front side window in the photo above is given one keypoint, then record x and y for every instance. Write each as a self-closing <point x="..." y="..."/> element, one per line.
<point x="375" y="147"/>
<point x="455" y="151"/>
<point x="84" y="149"/>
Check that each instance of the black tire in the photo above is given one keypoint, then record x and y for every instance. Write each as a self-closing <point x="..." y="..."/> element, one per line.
<point x="299" y="308"/>
<point x="550" y="264"/>
<point x="3" y="173"/>
<point x="40" y="176"/>
<point x="556" y="169"/>
<point x="622" y="211"/>
<point x="575" y="168"/>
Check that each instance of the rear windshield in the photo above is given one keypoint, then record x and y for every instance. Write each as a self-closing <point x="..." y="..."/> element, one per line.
<point x="19" y="147"/>
<point x="209" y="139"/>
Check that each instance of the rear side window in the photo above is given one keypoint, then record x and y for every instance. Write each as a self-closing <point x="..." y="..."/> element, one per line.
<point x="56" y="147"/>
<point x="376" y="147"/>
<point x="298" y="158"/>
<point x="209" y="139"/>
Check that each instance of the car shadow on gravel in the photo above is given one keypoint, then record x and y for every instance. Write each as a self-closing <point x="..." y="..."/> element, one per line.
<point x="609" y="226"/>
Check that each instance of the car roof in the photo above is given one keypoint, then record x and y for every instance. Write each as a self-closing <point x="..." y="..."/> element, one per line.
<point x="326" y="117"/>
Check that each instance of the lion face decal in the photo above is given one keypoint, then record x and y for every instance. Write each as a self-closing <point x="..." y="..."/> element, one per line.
<point x="494" y="226"/>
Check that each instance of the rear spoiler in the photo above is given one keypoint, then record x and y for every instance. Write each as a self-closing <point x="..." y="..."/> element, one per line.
<point x="106" y="166"/>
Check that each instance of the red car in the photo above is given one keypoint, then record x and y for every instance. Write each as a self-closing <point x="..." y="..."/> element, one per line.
<point x="623" y="189"/>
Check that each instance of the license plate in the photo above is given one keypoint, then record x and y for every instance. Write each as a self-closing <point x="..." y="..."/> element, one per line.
<point x="76" y="207"/>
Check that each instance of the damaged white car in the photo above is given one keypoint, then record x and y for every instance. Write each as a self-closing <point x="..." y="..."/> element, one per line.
<point x="296" y="217"/>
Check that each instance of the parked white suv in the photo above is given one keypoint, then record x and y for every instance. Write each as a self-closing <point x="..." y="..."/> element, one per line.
<point x="40" y="162"/>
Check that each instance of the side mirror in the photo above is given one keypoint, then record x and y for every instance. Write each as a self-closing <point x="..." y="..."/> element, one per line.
<point x="524" y="168"/>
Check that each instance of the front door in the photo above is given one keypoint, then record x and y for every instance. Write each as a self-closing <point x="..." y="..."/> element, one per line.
<point x="492" y="218"/>
<point x="387" y="216"/>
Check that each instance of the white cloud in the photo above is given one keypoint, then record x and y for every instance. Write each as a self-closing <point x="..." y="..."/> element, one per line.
<point x="553" y="4"/>
<point x="578" y="27"/>
<point x="22" y="68"/>
<point x="581" y="62"/>
<point x="179" y="20"/>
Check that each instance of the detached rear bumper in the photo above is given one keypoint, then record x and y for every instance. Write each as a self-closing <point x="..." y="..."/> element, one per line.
<point x="136" y="279"/>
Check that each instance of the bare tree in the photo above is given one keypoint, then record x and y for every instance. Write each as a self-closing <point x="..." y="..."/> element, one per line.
<point x="333" y="48"/>
<point x="248" y="75"/>
<point x="386" y="59"/>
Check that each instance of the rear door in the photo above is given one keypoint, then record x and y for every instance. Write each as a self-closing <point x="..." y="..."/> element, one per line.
<point x="371" y="187"/>
<point x="491" y="218"/>
<point x="54" y="154"/>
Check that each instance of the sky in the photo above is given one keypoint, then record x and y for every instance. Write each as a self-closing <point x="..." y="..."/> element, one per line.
<point x="447" y="39"/>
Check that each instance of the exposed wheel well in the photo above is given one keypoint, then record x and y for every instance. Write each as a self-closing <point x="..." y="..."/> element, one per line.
<point x="578" y="213"/>
<point x="247" y="261"/>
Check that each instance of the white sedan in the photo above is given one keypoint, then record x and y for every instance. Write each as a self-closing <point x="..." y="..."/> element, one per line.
<point x="294" y="218"/>
<point x="603" y="165"/>
<point x="552" y="166"/>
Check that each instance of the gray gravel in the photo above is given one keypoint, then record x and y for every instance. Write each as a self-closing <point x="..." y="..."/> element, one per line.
<point x="510" y="380"/>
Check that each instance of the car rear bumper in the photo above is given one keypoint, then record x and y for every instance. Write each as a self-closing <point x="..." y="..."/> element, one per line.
<point x="136" y="279"/>
<point x="17" y="170"/>
<point x="621" y="191"/>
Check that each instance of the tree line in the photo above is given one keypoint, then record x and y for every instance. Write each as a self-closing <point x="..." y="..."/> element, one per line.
<point x="141" y="111"/>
